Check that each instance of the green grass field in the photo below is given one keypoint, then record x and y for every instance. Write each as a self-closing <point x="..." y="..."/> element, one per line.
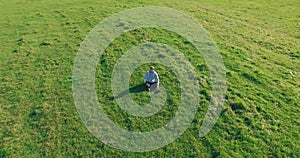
<point x="259" y="42"/>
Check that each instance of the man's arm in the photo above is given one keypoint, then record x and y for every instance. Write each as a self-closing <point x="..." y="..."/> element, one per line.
<point x="146" y="76"/>
<point x="157" y="79"/>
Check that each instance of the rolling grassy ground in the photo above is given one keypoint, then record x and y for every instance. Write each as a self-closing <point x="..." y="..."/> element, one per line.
<point x="258" y="40"/>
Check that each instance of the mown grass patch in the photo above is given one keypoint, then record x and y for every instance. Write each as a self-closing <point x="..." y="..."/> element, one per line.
<point x="259" y="43"/>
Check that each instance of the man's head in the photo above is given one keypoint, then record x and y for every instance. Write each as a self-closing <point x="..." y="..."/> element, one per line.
<point x="152" y="68"/>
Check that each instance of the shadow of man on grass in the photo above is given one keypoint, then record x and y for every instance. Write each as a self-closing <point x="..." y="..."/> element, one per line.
<point x="136" y="89"/>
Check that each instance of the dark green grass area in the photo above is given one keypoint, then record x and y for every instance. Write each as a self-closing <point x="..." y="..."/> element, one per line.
<point x="259" y="44"/>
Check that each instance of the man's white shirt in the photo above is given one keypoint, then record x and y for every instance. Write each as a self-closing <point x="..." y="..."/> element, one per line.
<point x="152" y="77"/>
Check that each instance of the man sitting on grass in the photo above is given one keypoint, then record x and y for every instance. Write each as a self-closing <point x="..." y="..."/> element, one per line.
<point x="151" y="77"/>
